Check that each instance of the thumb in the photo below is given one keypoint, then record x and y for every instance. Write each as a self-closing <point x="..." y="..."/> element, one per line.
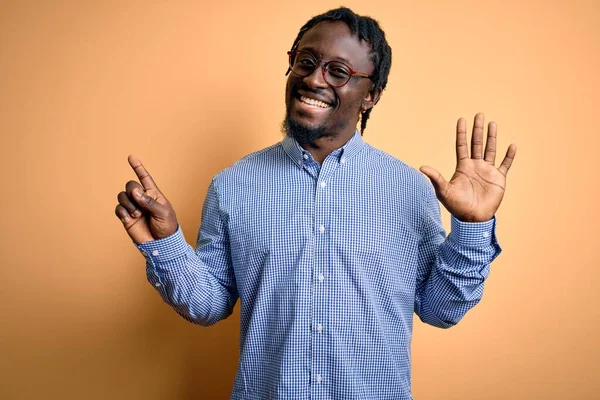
<point x="439" y="183"/>
<point x="148" y="203"/>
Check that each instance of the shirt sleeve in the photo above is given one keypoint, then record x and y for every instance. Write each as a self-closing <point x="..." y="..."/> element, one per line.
<point x="199" y="284"/>
<point x="452" y="270"/>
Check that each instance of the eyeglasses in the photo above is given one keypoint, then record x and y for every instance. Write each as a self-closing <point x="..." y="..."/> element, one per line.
<point x="335" y="73"/>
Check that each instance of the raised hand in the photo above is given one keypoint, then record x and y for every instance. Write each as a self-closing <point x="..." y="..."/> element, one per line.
<point x="145" y="212"/>
<point x="475" y="191"/>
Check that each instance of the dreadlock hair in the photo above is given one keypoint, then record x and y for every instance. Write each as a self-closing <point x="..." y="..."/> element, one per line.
<point x="368" y="30"/>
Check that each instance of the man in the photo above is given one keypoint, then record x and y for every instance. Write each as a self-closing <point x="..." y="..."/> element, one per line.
<point x="329" y="243"/>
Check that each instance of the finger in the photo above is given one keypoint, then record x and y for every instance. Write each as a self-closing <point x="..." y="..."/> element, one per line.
<point x="490" y="144"/>
<point x="462" y="151"/>
<point x="133" y="226"/>
<point x="130" y="187"/>
<point x="439" y="183"/>
<point x="508" y="159"/>
<point x="141" y="172"/>
<point x="145" y="200"/>
<point x="477" y="137"/>
<point x="123" y="215"/>
<point x="148" y="203"/>
<point x="129" y="206"/>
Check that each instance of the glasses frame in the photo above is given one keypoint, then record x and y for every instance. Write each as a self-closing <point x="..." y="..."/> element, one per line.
<point x="353" y="72"/>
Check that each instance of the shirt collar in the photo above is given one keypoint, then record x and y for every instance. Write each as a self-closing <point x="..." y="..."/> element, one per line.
<point x="343" y="154"/>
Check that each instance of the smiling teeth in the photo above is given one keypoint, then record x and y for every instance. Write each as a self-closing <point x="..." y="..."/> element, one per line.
<point x="313" y="102"/>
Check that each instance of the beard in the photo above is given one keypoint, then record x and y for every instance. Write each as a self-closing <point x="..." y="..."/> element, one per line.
<point x="304" y="135"/>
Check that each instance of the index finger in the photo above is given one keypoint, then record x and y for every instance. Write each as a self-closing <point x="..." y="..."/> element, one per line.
<point x="143" y="175"/>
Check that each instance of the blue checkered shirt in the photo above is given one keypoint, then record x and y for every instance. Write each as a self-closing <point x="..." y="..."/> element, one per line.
<point x="329" y="261"/>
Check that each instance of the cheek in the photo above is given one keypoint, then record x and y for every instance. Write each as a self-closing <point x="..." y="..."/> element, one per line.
<point x="350" y="106"/>
<point x="351" y="100"/>
<point x="347" y="111"/>
<point x="287" y="88"/>
<point x="290" y="85"/>
<point x="288" y="102"/>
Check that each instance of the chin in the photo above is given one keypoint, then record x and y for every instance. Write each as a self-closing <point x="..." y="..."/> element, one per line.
<point x="301" y="131"/>
<point x="305" y="121"/>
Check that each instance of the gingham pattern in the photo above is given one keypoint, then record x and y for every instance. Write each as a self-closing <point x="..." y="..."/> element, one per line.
<point x="329" y="261"/>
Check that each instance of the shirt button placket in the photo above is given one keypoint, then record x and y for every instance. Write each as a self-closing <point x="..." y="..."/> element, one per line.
<point x="319" y="289"/>
<point x="322" y="218"/>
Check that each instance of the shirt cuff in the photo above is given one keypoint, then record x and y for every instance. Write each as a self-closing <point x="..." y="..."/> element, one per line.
<point x="165" y="249"/>
<point x="472" y="234"/>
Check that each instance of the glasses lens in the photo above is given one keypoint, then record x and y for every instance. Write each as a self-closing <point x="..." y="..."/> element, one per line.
<point x="303" y="64"/>
<point x="337" y="74"/>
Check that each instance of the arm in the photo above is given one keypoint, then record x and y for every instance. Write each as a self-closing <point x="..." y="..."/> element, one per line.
<point x="451" y="271"/>
<point x="199" y="285"/>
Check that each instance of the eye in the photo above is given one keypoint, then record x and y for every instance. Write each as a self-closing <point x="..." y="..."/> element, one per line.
<point x="338" y="70"/>
<point x="305" y="61"/>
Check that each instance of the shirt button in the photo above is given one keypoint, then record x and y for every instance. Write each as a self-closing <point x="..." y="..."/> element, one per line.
<point x="323" y="184"/>
<point x="155" y="252"/>
<point x="319" y="378"/>
<point x="306" y="156"/>
<point x="320" y="328"/>
<point x="485" y="234"/>
<point x="322" y="228"/>
<point x="343" y="160"/>
<point x="321" y="277"/>
<point x="157" y="284"/>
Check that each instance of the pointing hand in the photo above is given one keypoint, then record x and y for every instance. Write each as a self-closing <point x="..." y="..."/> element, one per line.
<point x="145" y="212"/>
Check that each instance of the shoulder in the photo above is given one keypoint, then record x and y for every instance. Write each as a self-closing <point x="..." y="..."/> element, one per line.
<point x="406" y="187"/>
<point x="387" y="166"/>
<point x="251" y="166"/>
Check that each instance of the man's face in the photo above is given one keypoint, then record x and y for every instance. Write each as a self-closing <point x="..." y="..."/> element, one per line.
<point x="328" y="41"/>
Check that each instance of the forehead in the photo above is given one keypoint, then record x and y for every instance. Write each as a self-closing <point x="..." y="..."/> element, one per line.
<point x="333" y="40"/>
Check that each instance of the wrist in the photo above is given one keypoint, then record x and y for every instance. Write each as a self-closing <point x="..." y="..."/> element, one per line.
<point x="473" y="218"/>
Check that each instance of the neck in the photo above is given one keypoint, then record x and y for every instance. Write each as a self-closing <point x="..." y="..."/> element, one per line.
<point x="326" y="145"/>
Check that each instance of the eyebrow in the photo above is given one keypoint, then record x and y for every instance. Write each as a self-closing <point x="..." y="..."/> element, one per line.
<point x="342" y="59"/>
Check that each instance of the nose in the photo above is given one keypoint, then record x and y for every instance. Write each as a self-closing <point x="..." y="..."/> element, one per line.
<point x="316" y="79"/>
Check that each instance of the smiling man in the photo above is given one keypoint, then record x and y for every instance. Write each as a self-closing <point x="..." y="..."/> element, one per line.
<point x="330" y="244"/>
<point x="322" y="109"/>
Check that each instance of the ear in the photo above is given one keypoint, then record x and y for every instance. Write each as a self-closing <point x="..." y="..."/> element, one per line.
<point x="371" y="98"/>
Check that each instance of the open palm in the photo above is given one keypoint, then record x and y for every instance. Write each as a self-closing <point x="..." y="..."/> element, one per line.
<point x="477" y="187"/>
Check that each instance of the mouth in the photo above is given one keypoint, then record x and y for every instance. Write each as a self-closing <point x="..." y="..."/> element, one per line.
<point x="311" y="104"/>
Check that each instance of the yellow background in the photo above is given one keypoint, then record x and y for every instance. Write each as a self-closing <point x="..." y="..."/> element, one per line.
<point x="190" y="87"/>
